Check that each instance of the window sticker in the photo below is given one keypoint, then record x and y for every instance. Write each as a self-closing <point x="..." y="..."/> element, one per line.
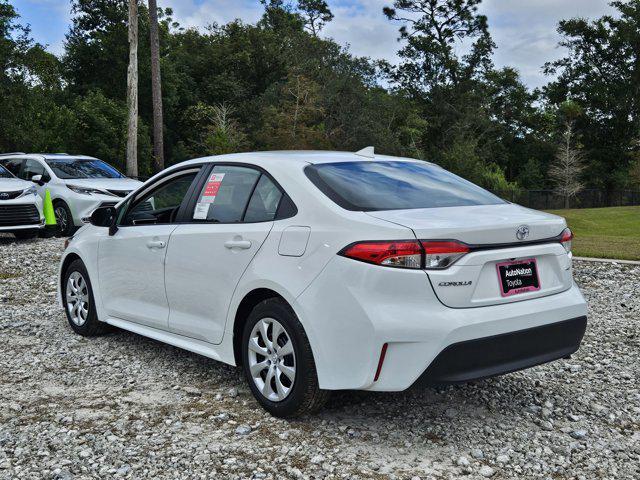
<point x="201" y="211"/>
<point x="212" y="188"/>
<point x="208" y="197"/>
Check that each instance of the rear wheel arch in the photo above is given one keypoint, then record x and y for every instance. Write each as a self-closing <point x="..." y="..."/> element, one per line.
<point x="248" y="303"/>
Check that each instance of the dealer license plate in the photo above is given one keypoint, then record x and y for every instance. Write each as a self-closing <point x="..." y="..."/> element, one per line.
<point x="518" y="277"/>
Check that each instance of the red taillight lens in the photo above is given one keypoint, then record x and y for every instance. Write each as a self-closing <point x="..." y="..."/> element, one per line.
<point x="415" y="254"/>
<point x="441" y="254"/>
<point x="402" y="254"/>
<point x="566" y="239"/>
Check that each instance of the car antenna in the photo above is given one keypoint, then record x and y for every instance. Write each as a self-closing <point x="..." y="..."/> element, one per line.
<point x="368" y="152"/>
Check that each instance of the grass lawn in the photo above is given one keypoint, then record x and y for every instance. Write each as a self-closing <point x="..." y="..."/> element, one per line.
<point x="605" y="232"/>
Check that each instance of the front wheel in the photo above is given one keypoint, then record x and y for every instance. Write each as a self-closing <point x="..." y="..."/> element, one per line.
<point x="64" y="219"/>
<point x="78" y="301"/>
<point x="278" y="363"/>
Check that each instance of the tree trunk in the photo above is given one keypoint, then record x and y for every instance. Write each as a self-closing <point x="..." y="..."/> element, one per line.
<point x="132" y="92"/>
<point x="156" y="88"/>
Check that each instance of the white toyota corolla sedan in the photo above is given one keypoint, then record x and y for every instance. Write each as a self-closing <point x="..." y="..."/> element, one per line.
<point x="320" y="271"/>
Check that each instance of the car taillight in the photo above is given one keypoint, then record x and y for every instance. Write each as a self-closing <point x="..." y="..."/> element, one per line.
<point x="401" y="253"/>
<point x="441" y="254"/>
<point x="566" y="239"/>
<point x="407" y="253"/>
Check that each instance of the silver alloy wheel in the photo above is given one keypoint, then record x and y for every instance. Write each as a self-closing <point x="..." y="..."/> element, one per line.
<point x="61" y="218"/>
<point x="77" y="294"/>
<point x="272" y="360"/>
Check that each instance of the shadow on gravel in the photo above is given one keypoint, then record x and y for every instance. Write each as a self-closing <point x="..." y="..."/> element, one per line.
<point x="452" y="406"/>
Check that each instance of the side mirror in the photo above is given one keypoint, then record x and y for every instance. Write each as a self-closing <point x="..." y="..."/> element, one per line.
<point x="103" y="217"/>
<point x="37" y="179"/>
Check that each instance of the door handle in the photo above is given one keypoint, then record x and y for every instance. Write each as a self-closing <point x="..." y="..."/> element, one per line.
<point x="242" y="244"/>
<point x="156" y="244"/>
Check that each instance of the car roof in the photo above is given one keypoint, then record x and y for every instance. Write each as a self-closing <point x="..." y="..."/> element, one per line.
<point x="299" y="157"/>
<point x="49" y="156"/>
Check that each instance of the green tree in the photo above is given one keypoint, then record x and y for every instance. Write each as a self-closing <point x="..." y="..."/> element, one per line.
<point x="601" y="73"/>
<point x="217" y="130"/>
<point x="316" y="14"/>
<point x="458" y="94"/>
<point x="295" y="121"/>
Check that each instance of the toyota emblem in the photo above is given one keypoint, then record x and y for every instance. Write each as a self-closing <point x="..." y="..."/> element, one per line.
<point x="4" y="196"/>
<point x="522" y="233"/>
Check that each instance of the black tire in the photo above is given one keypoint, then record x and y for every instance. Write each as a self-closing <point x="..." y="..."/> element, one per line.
<point x="26" y="234"/>
<point x="64" y="219"/>
<point x="305" y="395"/>
<point x="91" y="326"/>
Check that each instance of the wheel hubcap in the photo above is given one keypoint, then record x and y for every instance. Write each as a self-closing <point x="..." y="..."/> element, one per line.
<point x="77" y="298"/>
<point x="61" y="218"/>
<point x="272" y="360"/>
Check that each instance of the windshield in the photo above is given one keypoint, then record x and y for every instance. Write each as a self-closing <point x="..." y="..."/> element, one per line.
<point x="4" y="173"/>
<point x="395" y="185"/>
<point x="69" y="168"/>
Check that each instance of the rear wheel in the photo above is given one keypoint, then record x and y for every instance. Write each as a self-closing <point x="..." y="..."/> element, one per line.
<point x="78" y="301"/>
<point x="64" y="219"/>
<point x="26" y="234"/>
<point x="278" y="362"/>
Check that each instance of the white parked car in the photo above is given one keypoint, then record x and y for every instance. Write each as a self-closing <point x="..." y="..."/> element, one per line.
<point x="78" y="184"/>
<point x="20" y="206"/>
<point x="320" y="271"/>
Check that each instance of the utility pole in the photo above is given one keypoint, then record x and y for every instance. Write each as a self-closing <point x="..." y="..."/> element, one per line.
<point x="156" y="88"/>
<point x="132" y="92"/>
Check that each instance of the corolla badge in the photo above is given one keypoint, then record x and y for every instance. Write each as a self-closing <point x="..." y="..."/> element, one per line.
<point x="522" y="233"/>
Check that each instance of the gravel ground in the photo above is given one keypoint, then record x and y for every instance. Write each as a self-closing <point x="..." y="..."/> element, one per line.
<point x="124" y="406"/>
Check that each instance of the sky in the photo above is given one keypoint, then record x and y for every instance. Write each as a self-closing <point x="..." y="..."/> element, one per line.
<point x="524" y="30"/>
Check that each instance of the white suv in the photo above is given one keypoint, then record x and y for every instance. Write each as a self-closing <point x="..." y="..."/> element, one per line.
<point x="78" y="184"/>
<point x="321" y="271"/>
<point x="20" y="206"/>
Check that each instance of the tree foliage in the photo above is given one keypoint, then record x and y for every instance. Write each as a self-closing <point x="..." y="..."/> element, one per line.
<point x="280" y="84"/>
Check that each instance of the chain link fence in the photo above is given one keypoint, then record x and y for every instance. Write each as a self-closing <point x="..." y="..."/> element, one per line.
<point x="590" y="198"/>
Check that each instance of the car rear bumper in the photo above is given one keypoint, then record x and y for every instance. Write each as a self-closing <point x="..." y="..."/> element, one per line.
<point x="504" y="353"/>
<point x="352" y="309"/>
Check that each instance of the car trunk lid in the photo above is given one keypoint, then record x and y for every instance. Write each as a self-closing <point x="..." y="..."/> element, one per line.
<point x="491" y="232"/>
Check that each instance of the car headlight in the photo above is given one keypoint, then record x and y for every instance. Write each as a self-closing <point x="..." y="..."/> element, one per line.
<point x="29" y="191"/>
<point x="87" y="190"/>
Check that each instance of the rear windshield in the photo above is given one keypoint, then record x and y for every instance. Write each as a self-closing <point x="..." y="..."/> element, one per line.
<point x="74" y="168"/>
<point x="4" y="173"/>
<point x="395" y="185"/>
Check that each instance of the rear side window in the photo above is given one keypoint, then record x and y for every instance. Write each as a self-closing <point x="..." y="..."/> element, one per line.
<point x="225" y="194"/>
<point x="241" y="194"/>
<point x="395" y="185"/>
<point x="264" y="202"/>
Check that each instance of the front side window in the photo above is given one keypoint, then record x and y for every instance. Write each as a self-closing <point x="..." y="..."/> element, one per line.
<point x="13" y="165"/>
<point x="160" y="205"/>
<point x="4" y="173"/>
<point x="73" y="168"/>
<point x="33" y="168"/>
<point x="395" y="185"/>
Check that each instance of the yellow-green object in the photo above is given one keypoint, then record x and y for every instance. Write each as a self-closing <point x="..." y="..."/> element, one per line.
<point x="49" y="215"/>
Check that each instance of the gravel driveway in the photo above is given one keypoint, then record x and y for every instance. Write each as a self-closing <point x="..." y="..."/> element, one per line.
<point x="124" y="406"/>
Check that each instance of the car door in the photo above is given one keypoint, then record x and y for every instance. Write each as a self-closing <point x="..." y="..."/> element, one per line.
<point x="32" y="168"/>
<point x="230" y="219"/>
<point x="131" y="261"/>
